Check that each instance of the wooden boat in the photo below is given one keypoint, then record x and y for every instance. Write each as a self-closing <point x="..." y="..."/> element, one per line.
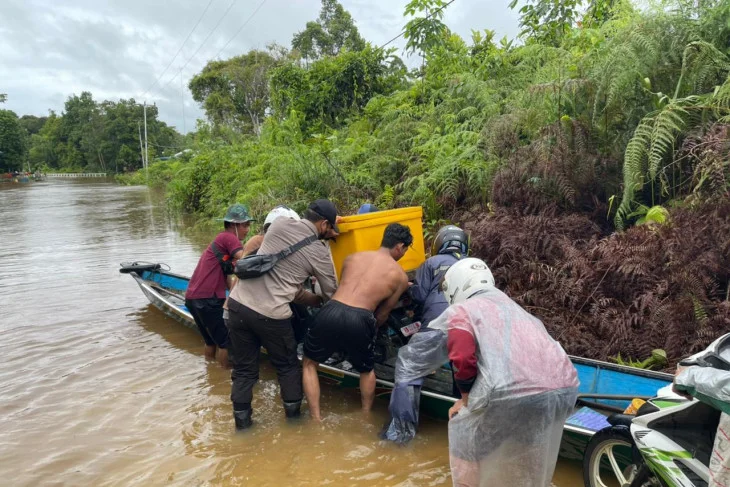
<point x="605" y="388"/>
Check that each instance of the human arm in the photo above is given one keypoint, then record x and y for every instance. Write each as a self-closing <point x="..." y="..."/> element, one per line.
<point x="323" y="269"/>
<point x="422" y="284"/>
<point x="384" y="309"/>
<point x="308" y="298"/>
<point x="231" y="279"/>
<point x="253" y="244"/>
<point x="462" y="353"/>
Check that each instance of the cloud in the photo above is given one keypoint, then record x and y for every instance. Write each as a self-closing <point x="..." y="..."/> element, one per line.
<point x="50" y="49"/>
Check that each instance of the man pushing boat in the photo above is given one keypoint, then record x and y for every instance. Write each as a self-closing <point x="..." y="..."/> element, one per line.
<point x="371" y="285"/>
<point x="206" y="292"/>
<point x="260" y="311"/>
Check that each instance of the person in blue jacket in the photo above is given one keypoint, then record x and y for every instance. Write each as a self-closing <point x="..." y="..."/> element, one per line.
<point x="450" y="245"/>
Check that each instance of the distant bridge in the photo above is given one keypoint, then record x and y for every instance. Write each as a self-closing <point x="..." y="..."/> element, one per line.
<point x="75" y="175"/>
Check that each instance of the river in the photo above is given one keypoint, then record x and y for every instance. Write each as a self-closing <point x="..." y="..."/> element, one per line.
<point x="99" y="388"/>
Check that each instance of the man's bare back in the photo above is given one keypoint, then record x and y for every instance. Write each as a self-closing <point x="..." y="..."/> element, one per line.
<point x="370" y="279"/>
<point x="370" y="287"/>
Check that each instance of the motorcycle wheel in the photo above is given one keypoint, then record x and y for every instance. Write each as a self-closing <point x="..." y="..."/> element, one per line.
<point x="608" y="447"/>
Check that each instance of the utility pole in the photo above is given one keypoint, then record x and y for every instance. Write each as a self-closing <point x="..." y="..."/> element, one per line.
<point x="141" y="148"/>
<point x="146" y="153"/>
<point x="182" y="102"/>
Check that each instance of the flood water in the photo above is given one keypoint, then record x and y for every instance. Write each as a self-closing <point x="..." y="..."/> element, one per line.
<point x="97" y="387"/>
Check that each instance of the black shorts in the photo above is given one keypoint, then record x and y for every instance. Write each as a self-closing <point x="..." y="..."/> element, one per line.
<point x="208" y="315"/>
<point x="342" y="328"/>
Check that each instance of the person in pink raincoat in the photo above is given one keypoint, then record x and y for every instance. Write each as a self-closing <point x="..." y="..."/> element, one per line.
<point x="517" y="384"/>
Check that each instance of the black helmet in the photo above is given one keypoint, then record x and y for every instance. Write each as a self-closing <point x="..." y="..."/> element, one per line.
<point x="450" y="239"/>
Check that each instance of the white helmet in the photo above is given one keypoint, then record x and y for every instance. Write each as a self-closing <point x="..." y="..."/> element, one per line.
<point x="280" y="211"/>
<point x="466" y="278"/>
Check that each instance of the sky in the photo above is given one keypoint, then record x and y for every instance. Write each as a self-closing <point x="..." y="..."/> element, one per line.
<point x="51" y="49"/>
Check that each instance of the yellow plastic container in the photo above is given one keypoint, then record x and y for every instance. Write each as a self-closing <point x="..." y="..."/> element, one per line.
<point x="365" y="232"/>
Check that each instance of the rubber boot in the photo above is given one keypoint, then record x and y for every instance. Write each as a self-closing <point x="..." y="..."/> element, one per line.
<point x="292" y="409"/>
<point x="243" y="419"/>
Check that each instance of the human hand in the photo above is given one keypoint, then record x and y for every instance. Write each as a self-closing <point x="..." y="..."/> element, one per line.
<point x="674" y="385"/>
<point x="454" y="410"/>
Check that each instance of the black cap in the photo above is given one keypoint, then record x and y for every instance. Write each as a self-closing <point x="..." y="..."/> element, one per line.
<point x="326" y="209"/>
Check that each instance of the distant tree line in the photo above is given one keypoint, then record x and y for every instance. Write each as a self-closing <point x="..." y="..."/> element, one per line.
<point x="87" y="136"/>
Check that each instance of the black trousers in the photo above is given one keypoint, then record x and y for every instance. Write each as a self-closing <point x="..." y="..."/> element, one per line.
<point x="250" y="330"/>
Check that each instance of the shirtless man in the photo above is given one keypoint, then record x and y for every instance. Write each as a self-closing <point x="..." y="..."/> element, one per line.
<point x="370" y="287"/>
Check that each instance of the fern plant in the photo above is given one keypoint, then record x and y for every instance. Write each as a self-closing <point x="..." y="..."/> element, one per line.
<point x="649" y="153"/>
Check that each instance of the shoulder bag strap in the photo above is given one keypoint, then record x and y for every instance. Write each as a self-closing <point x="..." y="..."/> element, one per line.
<point x="223" y="260"/>
<point x="296" y="247"/>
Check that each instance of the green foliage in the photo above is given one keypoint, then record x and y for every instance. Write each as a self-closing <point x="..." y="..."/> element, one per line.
<point x="650" y="216"/>
<point x="96" y="136"/>
<point x="650" y="152"/>
<point x="601" y="99"/>
<point x="235" y="92"/>
<point x="32" y="124"/>
<point x="547" y="21"/>
<point x="422" y="34"/>
<point x="12" y="141"/>
<point x="334" y="89"/>
<point x="333" y="32"/>
<point x="657" y="360"/>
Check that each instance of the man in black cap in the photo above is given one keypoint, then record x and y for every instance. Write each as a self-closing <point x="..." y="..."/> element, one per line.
<point x="259" y="311"/>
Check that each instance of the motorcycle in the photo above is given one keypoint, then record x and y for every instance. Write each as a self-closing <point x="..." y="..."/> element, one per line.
<point x="667" y="443"/>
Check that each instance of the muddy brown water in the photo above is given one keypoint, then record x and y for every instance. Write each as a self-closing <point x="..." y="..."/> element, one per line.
<point x="97" y="387"/>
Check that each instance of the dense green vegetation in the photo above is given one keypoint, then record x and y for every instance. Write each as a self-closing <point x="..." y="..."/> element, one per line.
<point x="602" y="115"/>
<point x="88" y="135"/>
<point x="589" y="111"/>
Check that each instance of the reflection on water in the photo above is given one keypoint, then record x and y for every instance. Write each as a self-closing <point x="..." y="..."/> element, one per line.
<point x="97" y="387"/>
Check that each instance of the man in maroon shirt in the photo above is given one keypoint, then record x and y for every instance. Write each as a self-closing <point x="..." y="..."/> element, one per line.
<point x="207" y="288"/>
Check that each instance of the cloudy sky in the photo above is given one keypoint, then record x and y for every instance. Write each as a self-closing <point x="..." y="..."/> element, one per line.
<point x="50" y="49"/>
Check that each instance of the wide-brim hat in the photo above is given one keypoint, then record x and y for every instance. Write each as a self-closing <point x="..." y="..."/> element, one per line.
<point x="237" y="213"/>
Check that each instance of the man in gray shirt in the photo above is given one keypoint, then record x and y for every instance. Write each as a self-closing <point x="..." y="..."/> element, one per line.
<point x="260" y="315"/>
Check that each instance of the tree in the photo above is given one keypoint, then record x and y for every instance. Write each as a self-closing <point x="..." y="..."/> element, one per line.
<point x="129" y="158"/>
<point x="332" y="32"/>
<point x="90" y="135"/>
<point x="334" y="88"/>
<point x="423" y="33"/>
<point x="42" y="150"/>
<point x="3" y="97"/>
<point x="548" y="21"/>
<point x="235" y="92"/>
<point x="12" y="147"/>
<point x="32" y="124"/>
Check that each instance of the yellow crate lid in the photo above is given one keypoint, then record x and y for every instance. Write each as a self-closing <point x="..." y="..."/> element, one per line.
<point x="365" y="232"/>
